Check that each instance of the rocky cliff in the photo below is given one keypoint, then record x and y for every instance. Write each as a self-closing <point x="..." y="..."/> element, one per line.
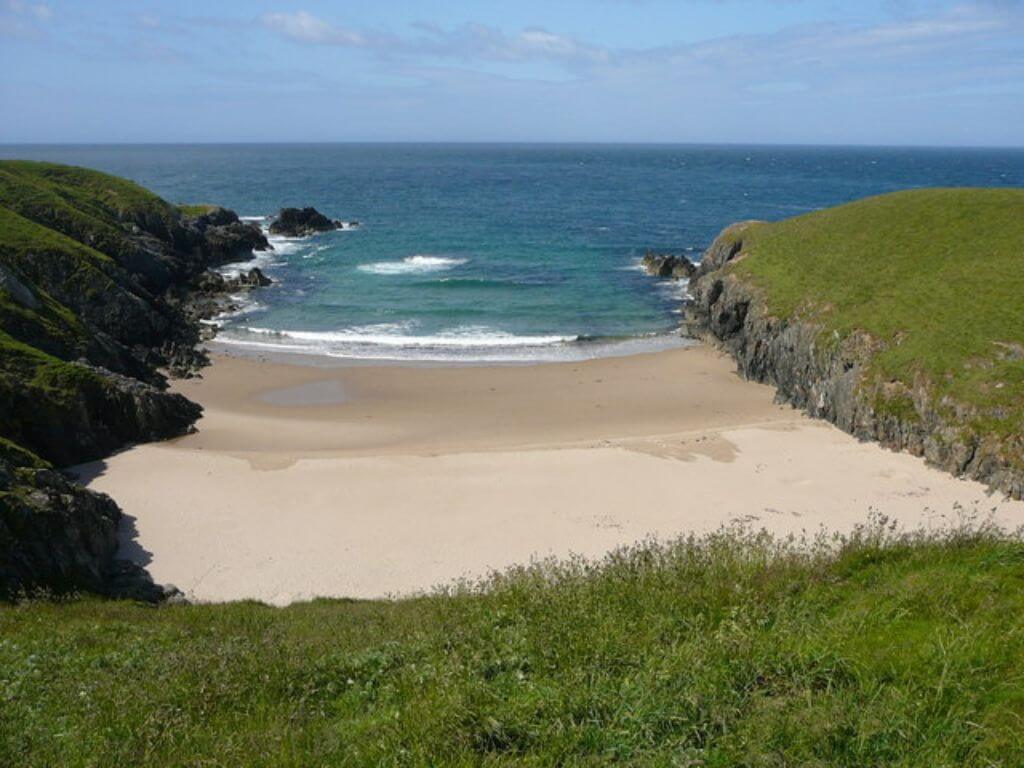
<point x="833" y="372"/>
<point x="102" y="284"/>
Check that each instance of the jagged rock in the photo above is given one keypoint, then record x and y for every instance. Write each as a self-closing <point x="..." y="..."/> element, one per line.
<point x="54" y="535"/>
<point x="57" y="537"/>
<point x="300" y="222"/>
<point x="254" y="278"/>
<point x="726" y="247"/>
<point x="210" y="294"/>
<point x="96" y="412"/>
<point x="666" y="265"/>
<point x="185" y="361"/>
<point x="224" y="237"/>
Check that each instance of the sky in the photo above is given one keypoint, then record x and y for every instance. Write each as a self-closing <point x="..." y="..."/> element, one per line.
<point x="889" y="72"/>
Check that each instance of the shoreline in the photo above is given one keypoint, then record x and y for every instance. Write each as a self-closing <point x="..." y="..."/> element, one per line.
<point x="576" y="350"/>
<point x="376" y="481"/>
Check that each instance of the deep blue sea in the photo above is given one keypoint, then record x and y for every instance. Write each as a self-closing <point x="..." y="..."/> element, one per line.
<point x="503" y="252"/>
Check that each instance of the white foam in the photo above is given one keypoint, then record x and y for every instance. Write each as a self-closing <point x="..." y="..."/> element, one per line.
<point x="246" y="306"/>
<point x="459" y="355"/>
<point x="412" y="265"/>
<point x="636" y="265"/>
<point x="287" y="245"/>
<point x="396" y="335"/>
<point x="262" y="259"/>
<point x="675" y="289"/>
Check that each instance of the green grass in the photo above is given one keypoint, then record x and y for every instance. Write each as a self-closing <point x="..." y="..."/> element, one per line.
<point x="195" y="210"/>
<point x="732" y="650"/>
<point x="84" y="204"/>
<point x="937" y="276"/>
<point x="43" y="256"/>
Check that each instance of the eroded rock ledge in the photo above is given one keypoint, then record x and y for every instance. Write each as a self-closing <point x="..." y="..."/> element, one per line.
<point x="826" y="376"/>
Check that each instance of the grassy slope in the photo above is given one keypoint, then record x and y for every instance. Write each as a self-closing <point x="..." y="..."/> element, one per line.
<point x="717" y="653"/>
<point x="81" y="203"/>
<point x="939" y="271"/>
<point x="38" y="371"/>
<point x="47" y="214"/>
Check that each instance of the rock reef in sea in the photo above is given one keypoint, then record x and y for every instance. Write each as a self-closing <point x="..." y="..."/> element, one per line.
<point x="301" y="222"/>
<point x="668" y="265"/>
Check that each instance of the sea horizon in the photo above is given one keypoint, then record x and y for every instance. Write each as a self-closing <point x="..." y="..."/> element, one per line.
<point x="516" y="143"/>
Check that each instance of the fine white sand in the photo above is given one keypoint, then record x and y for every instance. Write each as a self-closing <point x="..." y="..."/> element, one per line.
<point x="372" y="481"/>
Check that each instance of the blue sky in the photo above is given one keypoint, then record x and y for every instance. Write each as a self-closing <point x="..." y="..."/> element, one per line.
<point x="925" y="72"/>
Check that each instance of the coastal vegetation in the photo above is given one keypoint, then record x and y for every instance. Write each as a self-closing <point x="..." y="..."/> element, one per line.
<point x="91" y="312"/>
<point x="908" y="312"/>
<point x="734" y="649"/>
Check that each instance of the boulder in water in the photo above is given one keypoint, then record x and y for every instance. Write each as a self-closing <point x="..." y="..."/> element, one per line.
<point x="299" y="222"/>
<point x="666" y="265"/>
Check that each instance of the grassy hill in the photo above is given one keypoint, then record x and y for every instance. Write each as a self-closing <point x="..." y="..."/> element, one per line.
<point x="83" y="204"/>
<point x="733" y="650"/>
<point x="924" y="288"/>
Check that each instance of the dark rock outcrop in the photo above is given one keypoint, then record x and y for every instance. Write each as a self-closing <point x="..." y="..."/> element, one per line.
<point x="300" y="222"/>
<point x="206" y="296"/>
<point x="724" y="249"/>
<point x="57" y="537"/>
<point x="98" y="412"/>
<point x="54" y="535"/>
<point x="827" y="375"/>
<point x="667" y="265"/>
<point x="224" y="238"/>
<point x="254" y="278"/>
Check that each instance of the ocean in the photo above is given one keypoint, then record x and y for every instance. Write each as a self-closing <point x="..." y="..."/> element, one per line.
<point x="502" y="253"/>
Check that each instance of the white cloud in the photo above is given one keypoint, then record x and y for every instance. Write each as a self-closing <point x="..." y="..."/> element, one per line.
<point x="303" y="27"/>
<point x="469" y="41"/>
<point x="40" y="11"/>
<point x="22" y="19"/>
<point x="795" y="46"/>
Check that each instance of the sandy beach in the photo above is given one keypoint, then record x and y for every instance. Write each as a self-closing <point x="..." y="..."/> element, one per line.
<point x="367" y="481"/>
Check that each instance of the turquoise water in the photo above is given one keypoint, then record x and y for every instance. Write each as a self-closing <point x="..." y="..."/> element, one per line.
<point x="503" y="253"/>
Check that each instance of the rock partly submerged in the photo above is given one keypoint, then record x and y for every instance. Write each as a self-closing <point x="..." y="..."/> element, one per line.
<point x="668" y="265"/>
<point x="302" y="222"/>
<point x="225" y="237"/>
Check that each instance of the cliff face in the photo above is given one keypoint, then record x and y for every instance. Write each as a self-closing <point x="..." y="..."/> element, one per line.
<point x="95" y="274"/>
<point x="830" y="375"/>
